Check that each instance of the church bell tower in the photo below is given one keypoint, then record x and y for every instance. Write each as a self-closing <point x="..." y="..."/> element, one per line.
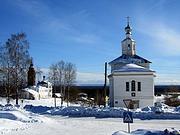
<point x="131" y="77"/>
<point x="128" y="44"/>
<point x="31" y="75"/>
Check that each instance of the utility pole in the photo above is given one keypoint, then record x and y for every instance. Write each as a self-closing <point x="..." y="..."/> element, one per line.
<point x="105" y="83"/>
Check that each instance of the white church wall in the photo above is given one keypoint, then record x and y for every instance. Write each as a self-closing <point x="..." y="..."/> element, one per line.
<point x="142" y="102"/>
<point x="111" y="92"/>
<point x="146" y="102"/>
<point x="145" y="96"/>
<point x="44" y="92"/>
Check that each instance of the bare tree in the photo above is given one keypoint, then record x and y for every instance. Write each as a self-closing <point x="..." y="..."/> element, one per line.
<point x="53" y="77"/>
<point x="61" y="80"/>
<point x="70" y="77"/>
<point x="15" y="60"/>
<point x="38" y="73"/>
<point x="62" y="74"/>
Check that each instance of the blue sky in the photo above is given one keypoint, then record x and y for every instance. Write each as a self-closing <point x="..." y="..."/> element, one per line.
<point x="88" y="33"/>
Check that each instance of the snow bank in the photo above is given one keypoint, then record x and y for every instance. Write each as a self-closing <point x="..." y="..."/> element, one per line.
<point x="149" y="132"/>
<point x="177" y="109"/>
<point x="161" y="111"/>
<point x="77" y="111"/>
<point x="14" y="113"/>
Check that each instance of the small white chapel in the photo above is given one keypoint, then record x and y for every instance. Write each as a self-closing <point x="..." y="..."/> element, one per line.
<point x="131" y="77"/>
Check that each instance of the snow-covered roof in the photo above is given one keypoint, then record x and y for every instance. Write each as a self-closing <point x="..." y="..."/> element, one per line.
<point x="129" y="59"/>
<point x="58" y="94"/>
<point x="33" y="92"/>
<point x="132" y="68"/>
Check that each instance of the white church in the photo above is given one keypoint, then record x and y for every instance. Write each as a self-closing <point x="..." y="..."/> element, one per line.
<point x="131" y="77"/>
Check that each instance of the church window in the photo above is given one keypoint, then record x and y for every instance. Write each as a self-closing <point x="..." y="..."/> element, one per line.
<point x="129" y="47"/>
<point x="133" y="85"/>
<point x="139" y="86"/>
<point x="116" y="102"/>
<point x="127" y="86"/>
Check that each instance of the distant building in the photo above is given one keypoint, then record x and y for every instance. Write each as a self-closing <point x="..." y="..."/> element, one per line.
<point x="44" y="88"/>
<point x="131" y="77"/>
<point x="31" y="75"/>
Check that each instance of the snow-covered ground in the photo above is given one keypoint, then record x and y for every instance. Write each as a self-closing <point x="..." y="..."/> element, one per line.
<point x="58" y="125"/>
<point x="46" y="120"/>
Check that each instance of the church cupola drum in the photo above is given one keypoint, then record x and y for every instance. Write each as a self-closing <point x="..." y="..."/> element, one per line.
<point x="31" y="75"/>
<point x="131" y="77"/>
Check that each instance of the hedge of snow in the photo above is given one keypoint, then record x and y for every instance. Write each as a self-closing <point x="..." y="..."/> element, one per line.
<point x="160" y="112"/>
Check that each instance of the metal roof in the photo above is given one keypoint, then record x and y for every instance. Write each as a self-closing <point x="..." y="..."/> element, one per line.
<point x="129" y="59"/>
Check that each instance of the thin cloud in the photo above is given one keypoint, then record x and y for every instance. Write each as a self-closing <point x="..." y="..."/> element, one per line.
<point x="155" y="5"/>
<point x="167" y="78"/>
<point x="82" y="77"/>
<point x="33" y="8"/>
<point x="163" y="37"/>
<point x="98" y="78"/>
<point x="87" y="39"/>
<point x="90" y="78"/>
<point x="43" y="14"/>
<point x="57" y="25"/>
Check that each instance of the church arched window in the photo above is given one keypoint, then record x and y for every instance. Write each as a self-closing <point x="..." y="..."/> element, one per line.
<point x="129" y="46"/>
<point x="133" y="85"/>
<point x="127" y="86"/>
<point x="139" y="86"/>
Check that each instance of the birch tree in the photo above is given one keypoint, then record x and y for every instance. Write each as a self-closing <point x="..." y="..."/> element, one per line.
<point x="63" y="75"/>
<point x="15" y="60"/>
<point x="70" y="77"/>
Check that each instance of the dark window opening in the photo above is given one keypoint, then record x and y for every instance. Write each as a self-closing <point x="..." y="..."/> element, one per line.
<point x="116" y="102"/>
<point x="127" y="86"/>
<point x="139" y="86"/>
<point x="129" y="46"/>
<point x="133" y="86"/>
